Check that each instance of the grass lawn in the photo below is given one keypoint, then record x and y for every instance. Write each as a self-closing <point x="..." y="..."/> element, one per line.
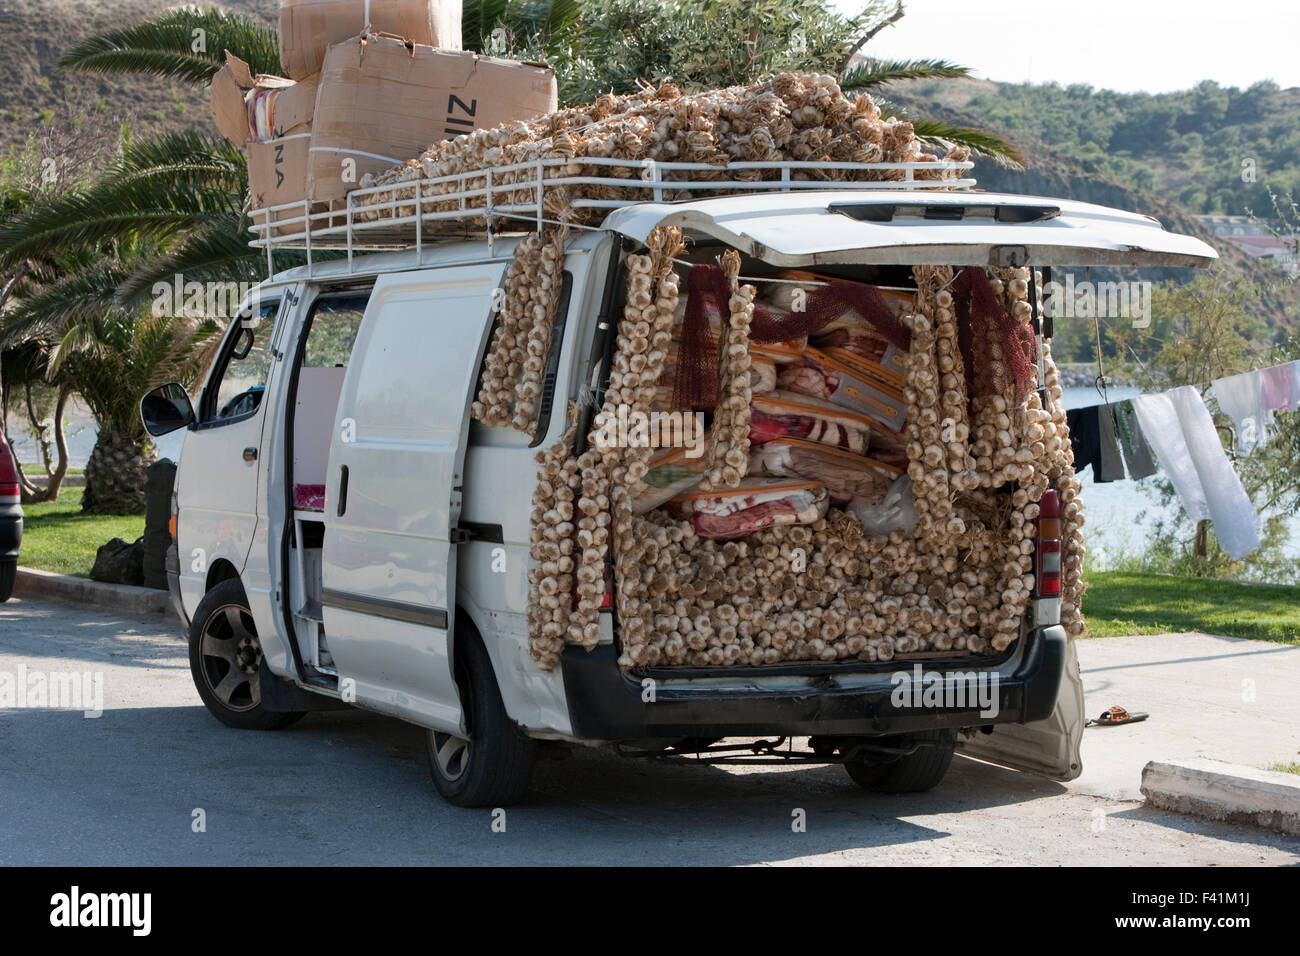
<point x="60" y="538"/>
<point x="1119" y="603"/>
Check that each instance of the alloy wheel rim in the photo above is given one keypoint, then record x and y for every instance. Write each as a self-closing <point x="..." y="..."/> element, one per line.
<point x="231" y="658"/>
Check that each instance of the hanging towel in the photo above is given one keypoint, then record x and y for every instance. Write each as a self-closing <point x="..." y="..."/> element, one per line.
<point x="1279" y="389"/>
<point x="1164" y="433"/>
<point x="1085" y="439"/>
<point x="1111" y="466"/>
<point x="1137" y="453"/>
<point x="1179" y="428"/>
<point x="1241" y="398"/>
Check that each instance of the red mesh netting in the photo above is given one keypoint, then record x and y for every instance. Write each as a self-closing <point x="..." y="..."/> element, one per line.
<point x="981" y="321"/>
<point x="696" y="385"/>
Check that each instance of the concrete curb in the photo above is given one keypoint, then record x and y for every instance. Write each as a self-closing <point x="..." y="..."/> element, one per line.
<point x="1226" y="792"/>
<point x="43" y="585"/>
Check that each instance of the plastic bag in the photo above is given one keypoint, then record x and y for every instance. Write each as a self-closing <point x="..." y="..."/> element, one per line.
<point x="726" y="513"/>
<point x="894" y="512"/>
<point x="844" y="474"/>
<point x="671" y="473"/>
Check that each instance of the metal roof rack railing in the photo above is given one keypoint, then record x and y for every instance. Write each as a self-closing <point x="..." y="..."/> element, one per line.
<point x="513" y="198"/>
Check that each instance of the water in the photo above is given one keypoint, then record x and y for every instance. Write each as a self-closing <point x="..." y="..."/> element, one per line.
<point x="81" y="432"/>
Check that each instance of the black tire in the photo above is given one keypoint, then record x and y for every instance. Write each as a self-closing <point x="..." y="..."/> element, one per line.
<point x="8" y="577"/>
<point x="223" y="637"/>
<point x="494" y="767"/>
<point x="915" y="773"/>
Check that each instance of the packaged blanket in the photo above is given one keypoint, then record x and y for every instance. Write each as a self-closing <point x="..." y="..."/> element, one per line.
<point x="845" y="475"/>
<point x="785" y="414"/>
<point x="823" y="376"/>
<point x="724" y="514"/>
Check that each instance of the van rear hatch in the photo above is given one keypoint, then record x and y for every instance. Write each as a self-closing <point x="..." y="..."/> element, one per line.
<point x="878" y="227"/>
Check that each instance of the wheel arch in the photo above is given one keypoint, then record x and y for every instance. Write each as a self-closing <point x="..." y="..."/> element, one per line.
<point x="220" y="570"/>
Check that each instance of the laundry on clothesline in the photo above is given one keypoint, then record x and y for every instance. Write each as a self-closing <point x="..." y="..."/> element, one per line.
<point x="1102" y="442"/>
<point x="1180" y="431"/>
<point x="1251" y="398"/>
<point x="1132" y="442"/>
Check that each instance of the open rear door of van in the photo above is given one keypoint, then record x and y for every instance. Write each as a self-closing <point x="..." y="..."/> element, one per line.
<point x="393" y="494"/>
<point x="806" y="229"/>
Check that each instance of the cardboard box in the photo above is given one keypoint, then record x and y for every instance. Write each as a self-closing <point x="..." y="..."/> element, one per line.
<point x="279" y="158"/>
<point x="383" y="101"/>
<point x="309" y="27"/>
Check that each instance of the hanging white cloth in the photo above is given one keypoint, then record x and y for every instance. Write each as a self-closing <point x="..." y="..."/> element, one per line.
<point x="1180" y="431"/>
<point x="1241" y="398"/>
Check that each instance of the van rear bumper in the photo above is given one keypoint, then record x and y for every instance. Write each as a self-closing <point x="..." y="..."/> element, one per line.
<point x="606" y="705"/>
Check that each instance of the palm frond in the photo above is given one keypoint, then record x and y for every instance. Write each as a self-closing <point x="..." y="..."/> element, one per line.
<point x="873" y="72"/>
<point x="478" y="19"/>
<point x="83" y="296"/>
<point x="218" y="251"/>
<point x="938" y="134"/>
<point x="187" y="44"/>
<point x="156" y="189"/>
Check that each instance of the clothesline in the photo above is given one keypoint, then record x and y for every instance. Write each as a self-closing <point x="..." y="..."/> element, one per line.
<point x="1175" y="428"/>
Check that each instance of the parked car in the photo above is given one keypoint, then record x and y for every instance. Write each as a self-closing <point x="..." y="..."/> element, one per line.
<point x="11" y="522"/>
<point x="342" y="538"/>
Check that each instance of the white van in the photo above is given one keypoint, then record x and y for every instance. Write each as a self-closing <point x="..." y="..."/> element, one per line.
<point x="345" y="534"/>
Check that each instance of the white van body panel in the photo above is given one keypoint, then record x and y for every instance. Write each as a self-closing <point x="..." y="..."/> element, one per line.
<point x="389" y="568"/>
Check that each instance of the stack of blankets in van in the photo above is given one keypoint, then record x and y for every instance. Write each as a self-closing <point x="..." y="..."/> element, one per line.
<point x="827" y="410"/>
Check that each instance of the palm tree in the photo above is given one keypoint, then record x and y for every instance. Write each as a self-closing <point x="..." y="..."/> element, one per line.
<point x="111" y="357"/>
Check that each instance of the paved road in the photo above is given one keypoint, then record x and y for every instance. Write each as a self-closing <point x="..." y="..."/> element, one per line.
<point x="351" y="788"/>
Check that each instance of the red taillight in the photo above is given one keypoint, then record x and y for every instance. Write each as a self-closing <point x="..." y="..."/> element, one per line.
<point x="1048" y="578"/>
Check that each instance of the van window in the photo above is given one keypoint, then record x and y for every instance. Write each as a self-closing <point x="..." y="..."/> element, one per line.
<point x="334" y="324"/>
<point x="236" y="388"/>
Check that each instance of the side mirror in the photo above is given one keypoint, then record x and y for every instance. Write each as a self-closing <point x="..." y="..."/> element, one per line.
<point x="166" y="409"/>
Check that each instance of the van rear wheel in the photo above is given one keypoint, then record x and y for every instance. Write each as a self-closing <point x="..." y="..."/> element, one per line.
<point x="226" y="661"/>
<point x="918" y="771"/>
<point x="493" y="765"/>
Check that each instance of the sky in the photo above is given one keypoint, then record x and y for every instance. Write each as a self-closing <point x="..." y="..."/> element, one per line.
<point x="1127" y="45"/>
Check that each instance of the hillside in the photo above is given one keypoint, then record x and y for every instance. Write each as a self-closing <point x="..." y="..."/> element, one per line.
<point x="35" y="33"/>
<point x="1213" y="149"/>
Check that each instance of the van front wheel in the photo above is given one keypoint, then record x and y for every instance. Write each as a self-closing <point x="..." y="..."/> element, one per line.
<point x="226" y="661"/>
<point x="493" y="765"/>
<point x="918" y="771"/>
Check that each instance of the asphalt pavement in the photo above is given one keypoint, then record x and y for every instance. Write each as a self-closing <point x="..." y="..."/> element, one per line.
<point x="156" y="780"/>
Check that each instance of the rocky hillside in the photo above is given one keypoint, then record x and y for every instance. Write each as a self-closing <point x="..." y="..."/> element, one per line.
<point x="34" y="34"/>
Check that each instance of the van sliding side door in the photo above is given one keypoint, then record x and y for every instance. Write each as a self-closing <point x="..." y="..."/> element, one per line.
<point x="393" y="493"/>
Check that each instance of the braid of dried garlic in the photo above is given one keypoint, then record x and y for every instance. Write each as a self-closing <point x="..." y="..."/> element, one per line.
<point x="550" y="579"/>
<point x="928" y="458"/>
<point x="728" y="451"/>
<point x="544" y="302"/>
<point x="505" y="356"/>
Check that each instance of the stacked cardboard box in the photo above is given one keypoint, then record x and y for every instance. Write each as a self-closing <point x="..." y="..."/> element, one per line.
<point x="377" y="100"/>
<point x="309" y="27"/>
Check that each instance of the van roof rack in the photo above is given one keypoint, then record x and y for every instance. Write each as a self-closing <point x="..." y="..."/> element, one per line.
<point x="513" y="198"/>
